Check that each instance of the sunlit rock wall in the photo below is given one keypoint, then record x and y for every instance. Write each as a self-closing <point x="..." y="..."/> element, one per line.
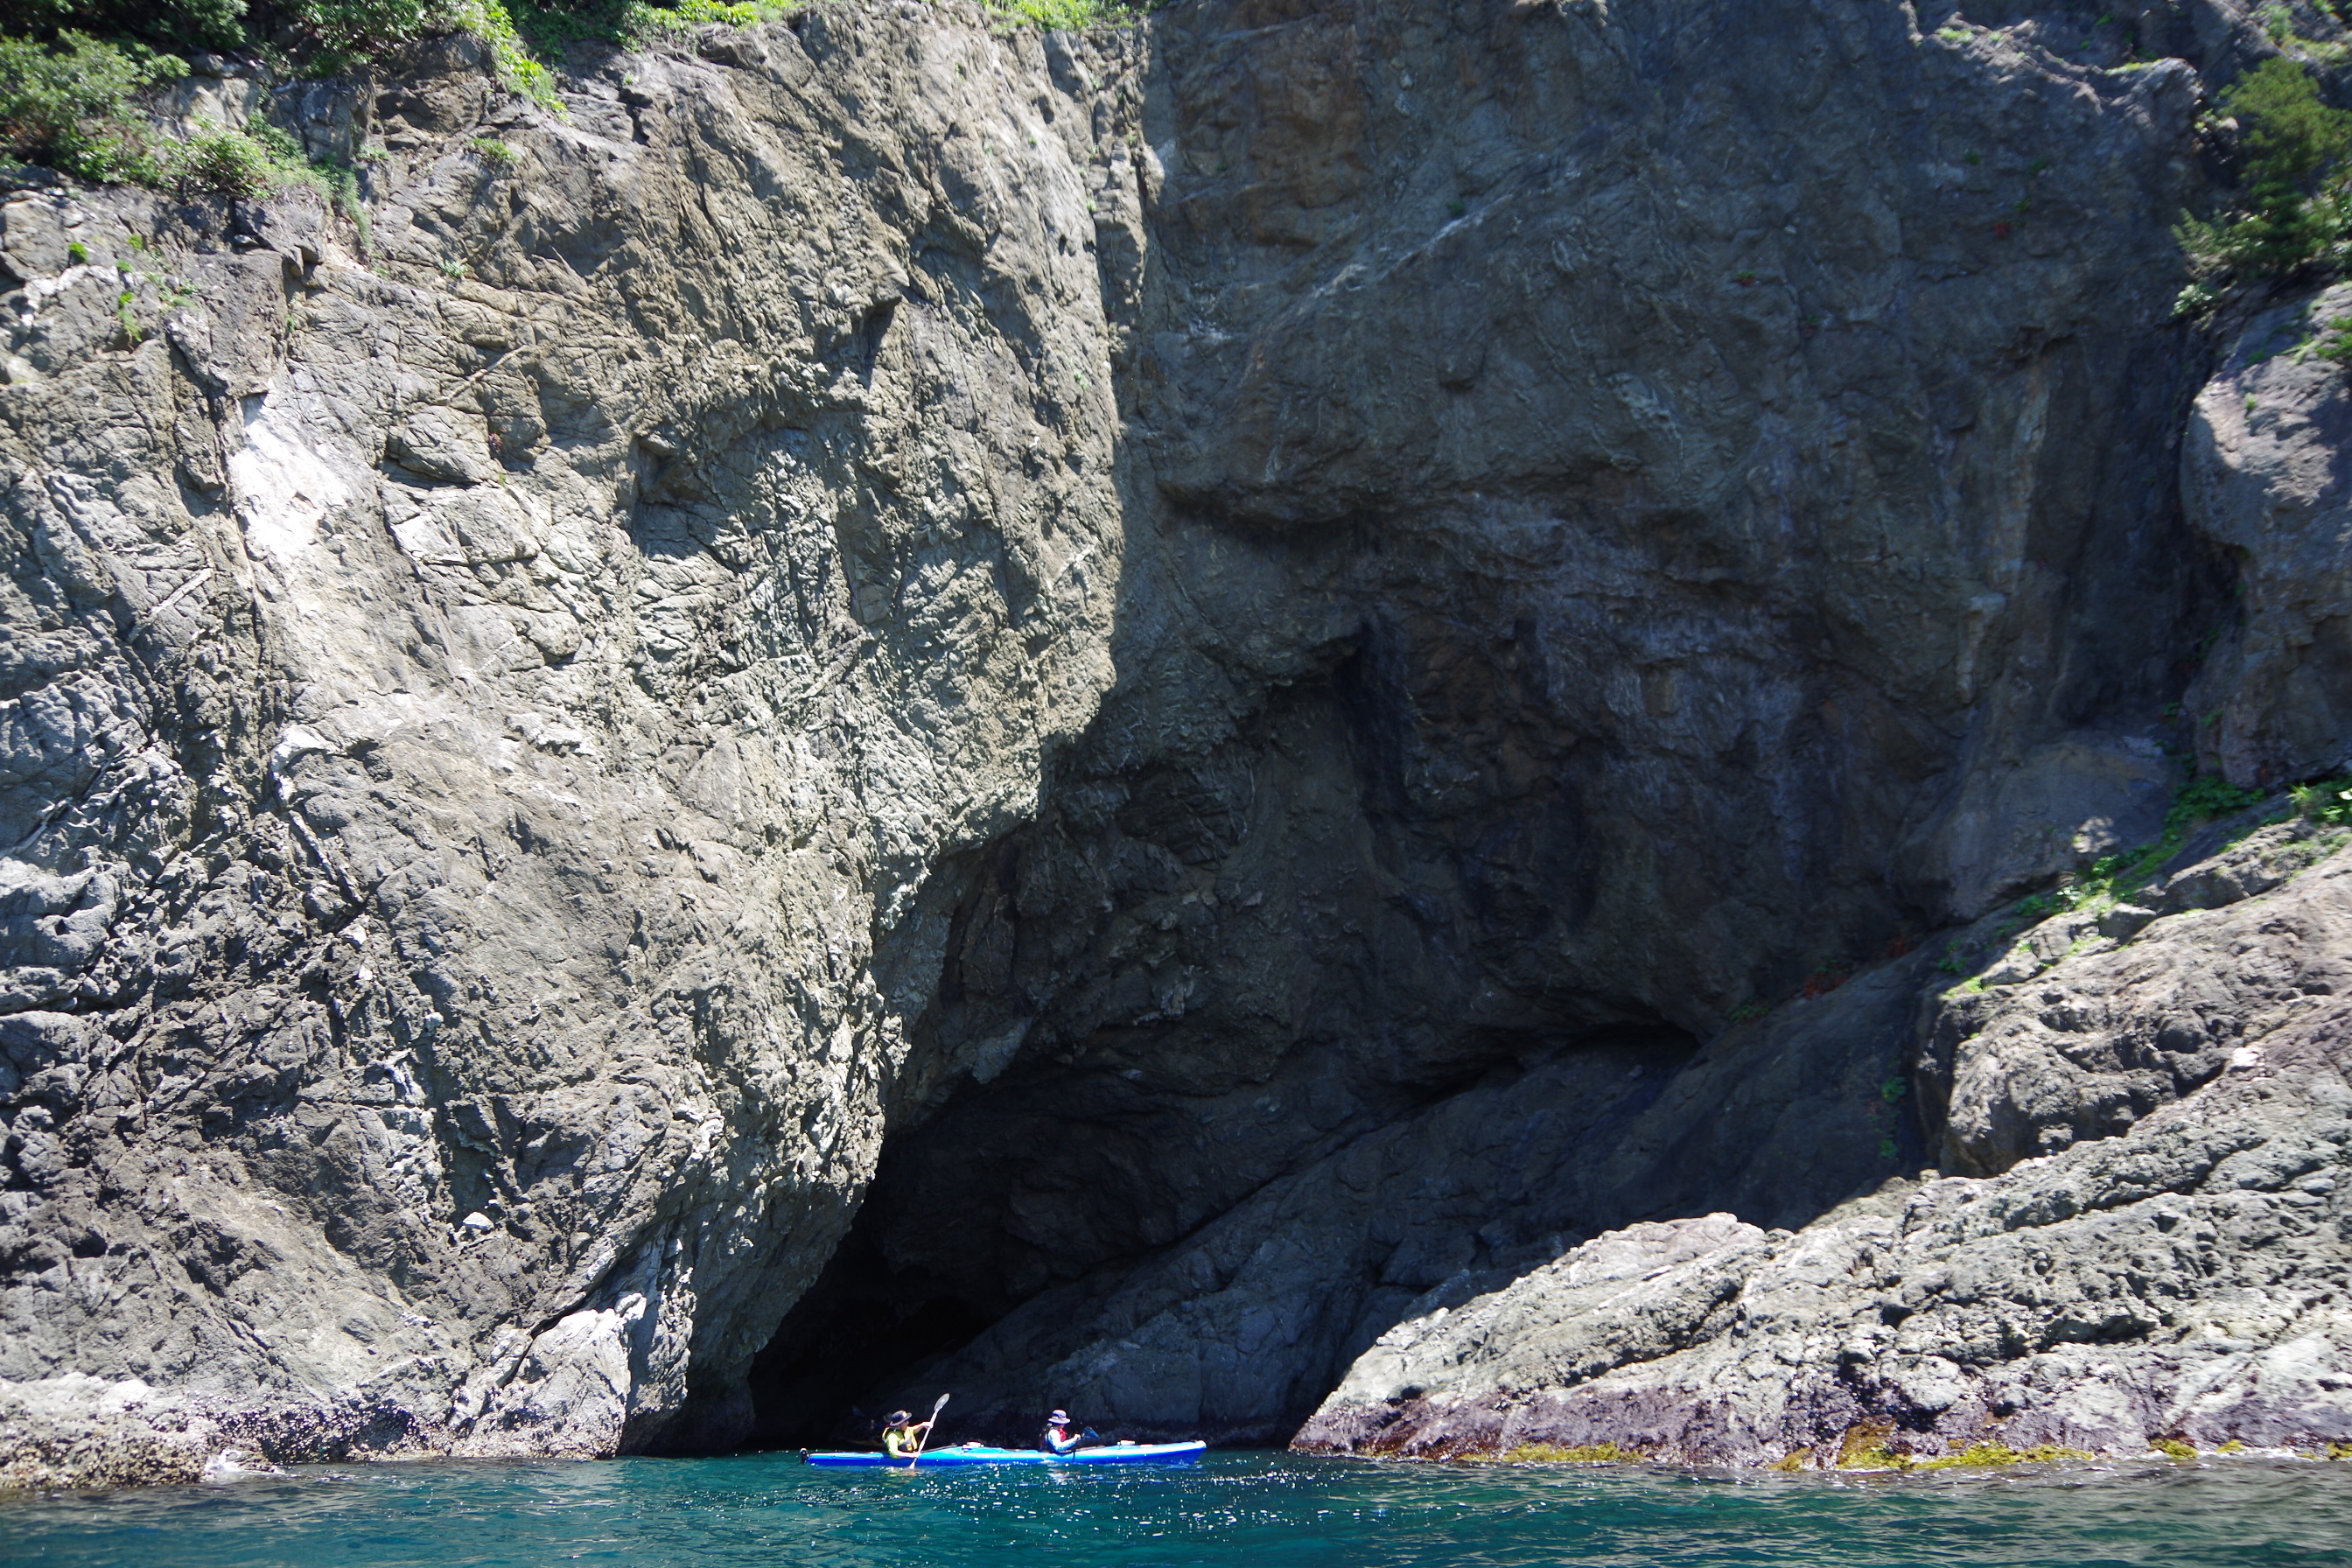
<point x="473" y="710"/>
<point x="1260" y="638"/>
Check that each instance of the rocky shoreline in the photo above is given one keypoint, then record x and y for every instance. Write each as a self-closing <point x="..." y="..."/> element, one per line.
<point x="1345" y="720"/>
<point x="2183" y="1282"/>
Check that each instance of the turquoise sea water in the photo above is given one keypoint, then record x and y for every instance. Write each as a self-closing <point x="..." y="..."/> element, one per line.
<point x="1251" y="1510"/>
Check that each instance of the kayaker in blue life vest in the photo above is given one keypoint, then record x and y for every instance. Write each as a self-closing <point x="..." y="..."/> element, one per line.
<point x="901" y="1434"/>
<point x="1057" y="1438"/>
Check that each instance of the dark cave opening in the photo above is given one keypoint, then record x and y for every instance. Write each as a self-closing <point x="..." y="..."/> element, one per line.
<point x="913" y="1293"/>
<point x="1287" y="1046"/>
<point x="862" y="1326"/>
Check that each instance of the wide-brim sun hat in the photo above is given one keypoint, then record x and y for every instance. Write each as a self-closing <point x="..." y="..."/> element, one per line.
<point x="899" y="1417"/>
<point x="1059" y="1416"/>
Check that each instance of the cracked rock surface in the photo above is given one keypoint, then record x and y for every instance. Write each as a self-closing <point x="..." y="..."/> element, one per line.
<point x="2185" y="1280"/>
<point x="472" y="718"/>
<point x="1122" y="708"/>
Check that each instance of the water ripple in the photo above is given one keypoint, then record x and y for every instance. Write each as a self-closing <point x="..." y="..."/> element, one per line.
<point x="1259" y="1510"/>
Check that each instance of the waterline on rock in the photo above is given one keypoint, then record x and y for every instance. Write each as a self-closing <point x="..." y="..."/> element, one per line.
<point x="1268" y="1511"/>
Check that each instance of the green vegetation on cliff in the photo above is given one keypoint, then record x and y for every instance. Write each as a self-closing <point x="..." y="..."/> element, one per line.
<point x="2293" y="207"/>
<point x="69" y="102"/>
<point x="314" y="36"/>
<point x="73" y="77"/>
<point x="74" y="73"/>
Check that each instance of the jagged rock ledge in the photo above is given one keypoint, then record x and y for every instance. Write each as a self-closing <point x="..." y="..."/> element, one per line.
<point x="2186" y="1281"/>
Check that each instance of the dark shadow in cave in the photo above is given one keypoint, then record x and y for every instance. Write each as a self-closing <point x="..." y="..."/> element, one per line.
<point x="881" y="1318"/>
<point x="860" y="1328"/>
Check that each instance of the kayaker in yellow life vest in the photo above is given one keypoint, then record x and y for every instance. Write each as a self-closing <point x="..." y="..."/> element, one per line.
<point x="901" y="1433"/>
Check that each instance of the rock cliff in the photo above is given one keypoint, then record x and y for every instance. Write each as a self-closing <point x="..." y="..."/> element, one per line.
<point x="480" y="719"/>
<point x="1093" y="718"/>
<point x="2175" y="1273"/>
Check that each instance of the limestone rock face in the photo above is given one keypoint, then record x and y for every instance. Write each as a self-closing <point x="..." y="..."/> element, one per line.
<point x="473" y="718"/>
<point x="80" y="1431"/>
<point x="2265" y="478"/>
<point x="2185" y="1280"/>
<point x="2084" y="1025"/>
<point x="2143" y="1100"/>
<point x="1607" y="570"/>
<point x="1085" y="717"/>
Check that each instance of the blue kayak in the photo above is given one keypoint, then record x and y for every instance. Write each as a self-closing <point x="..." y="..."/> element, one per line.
<point x="980" y="1453"/>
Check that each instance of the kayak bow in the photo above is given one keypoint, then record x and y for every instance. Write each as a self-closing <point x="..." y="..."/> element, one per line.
<point x="980" y="1453"/>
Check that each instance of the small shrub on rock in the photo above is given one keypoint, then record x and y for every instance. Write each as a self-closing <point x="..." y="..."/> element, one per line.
<point x="2207" y="796"/>
<point x="351" y="30"/>
<point x="70" y="103"/>
<point x="1063" y="13"/>
<point x="2294" y="208"/>
<point x="2330" y="800"/>
<point x="223" y="162"/>
<point x="240" y="164"/>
